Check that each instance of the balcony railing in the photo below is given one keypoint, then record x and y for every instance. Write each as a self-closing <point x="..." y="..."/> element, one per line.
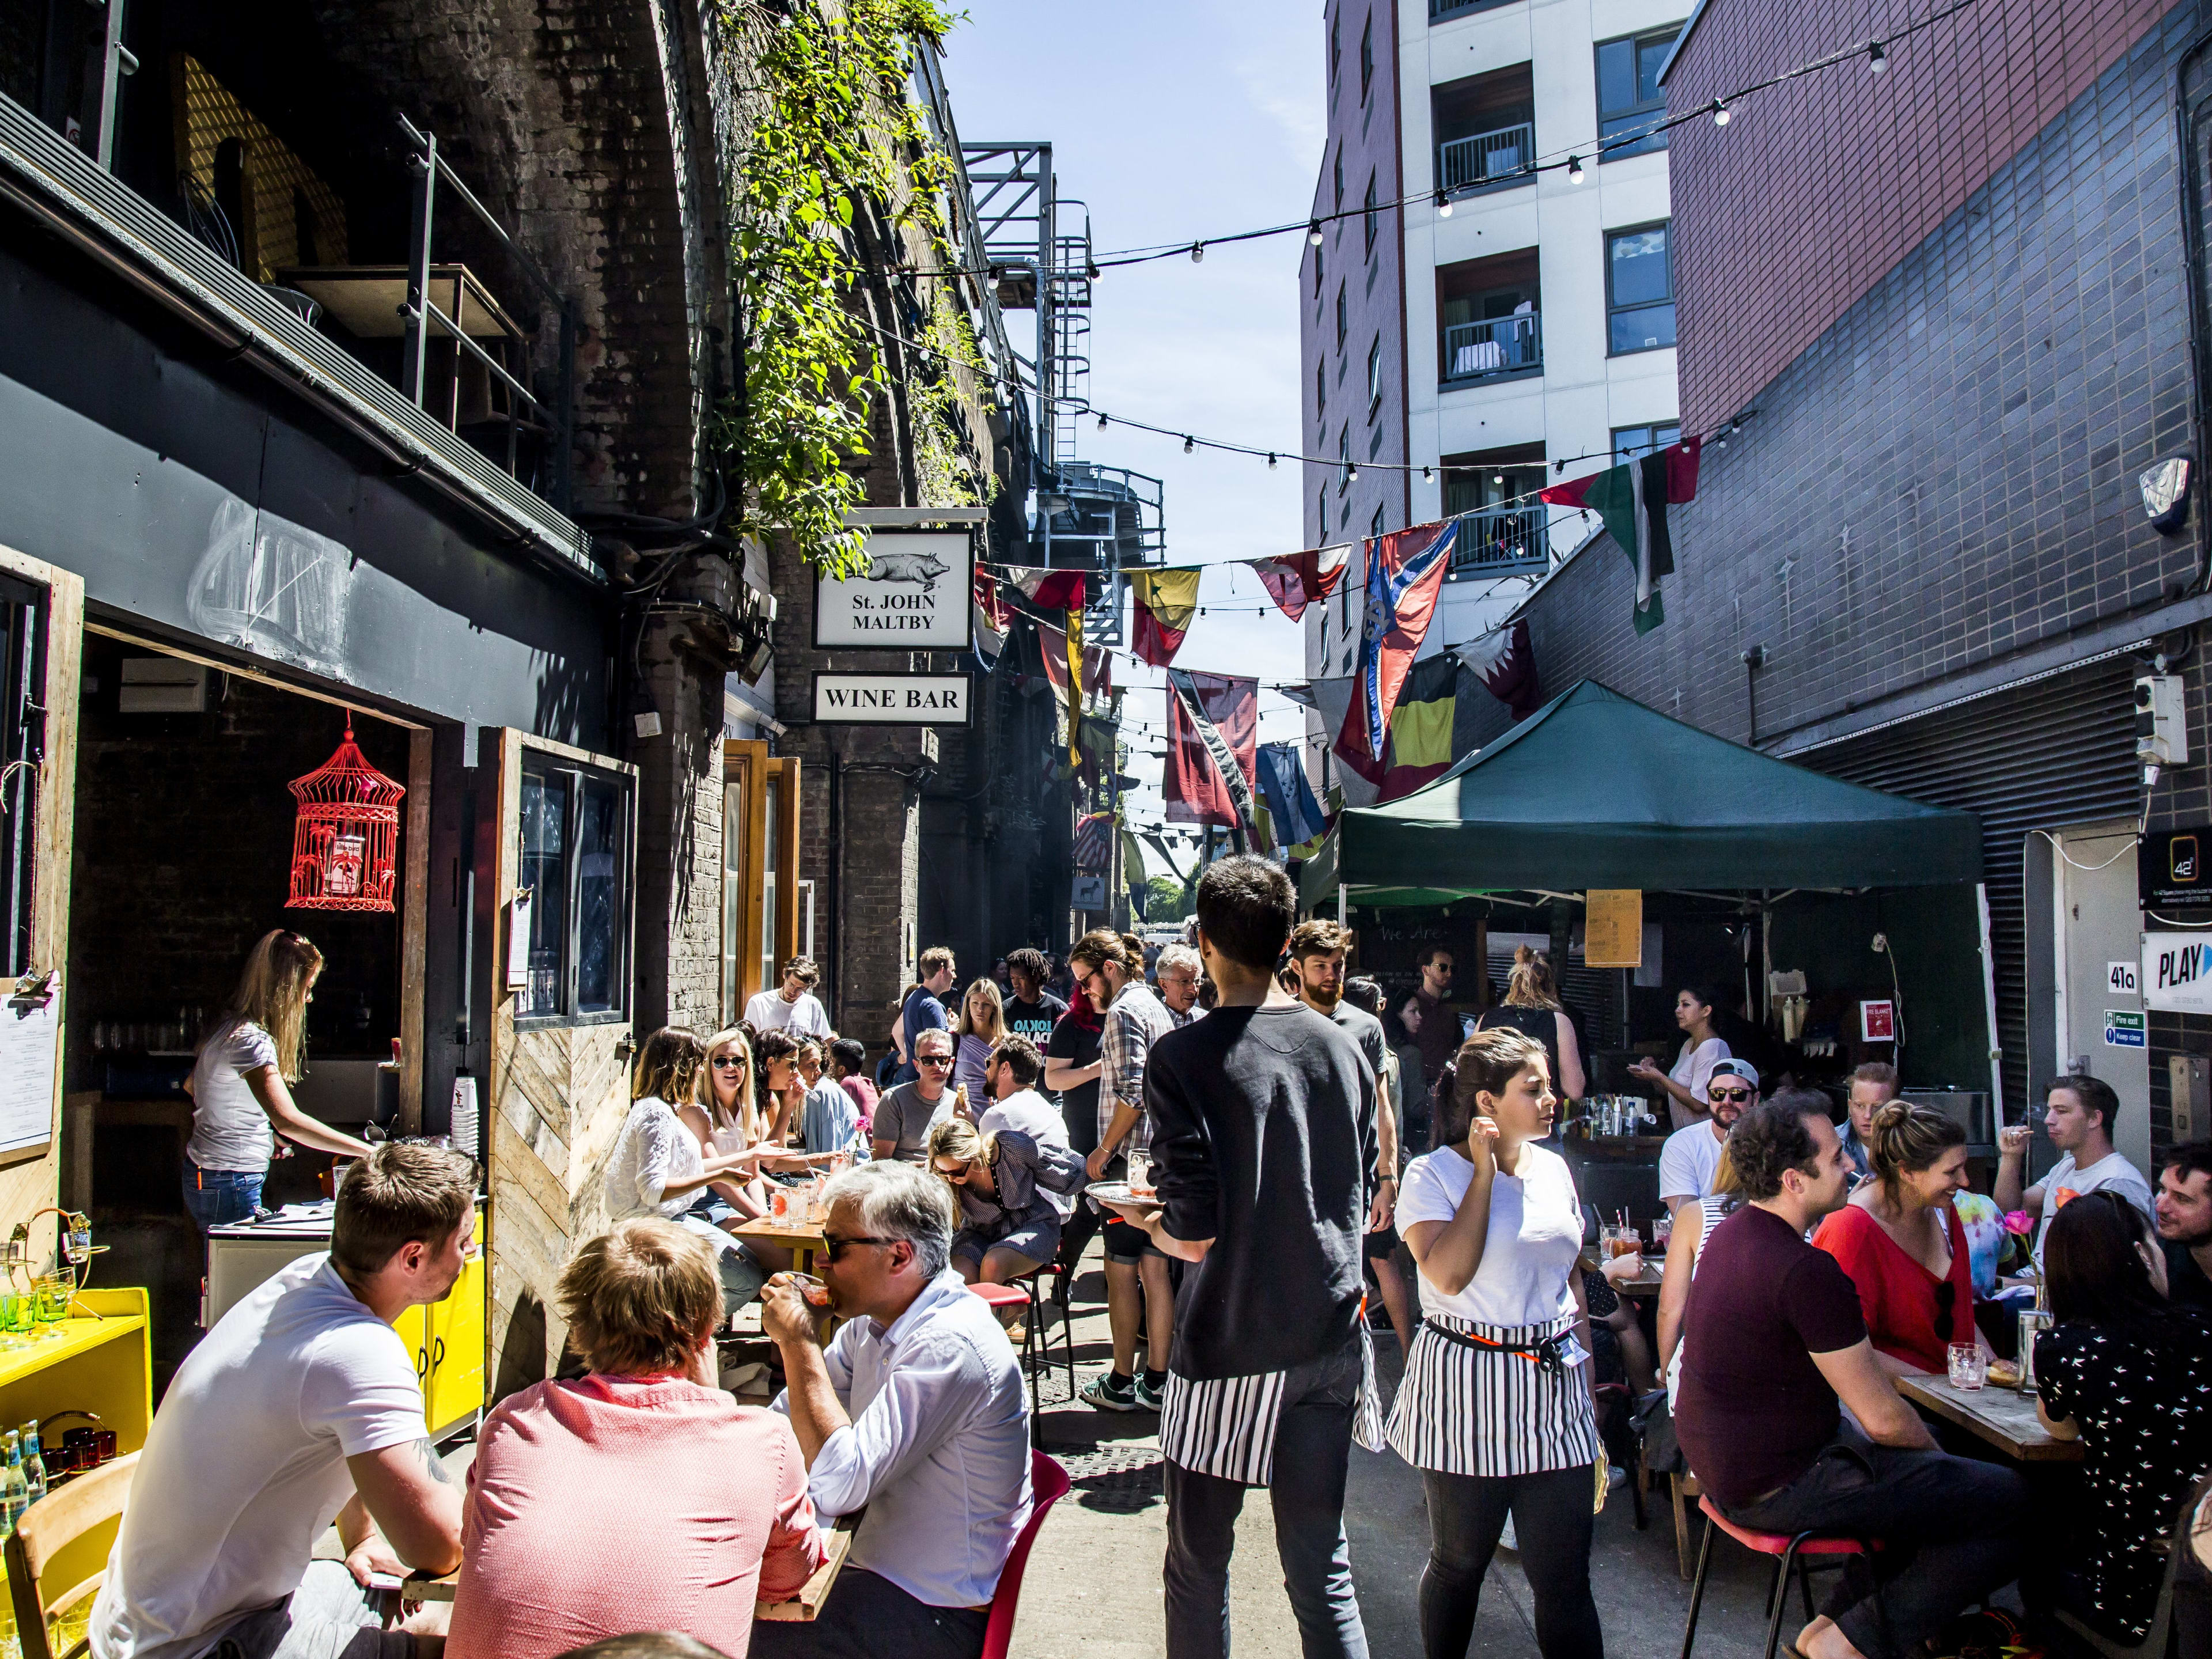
<point x="1496" y="347"/>
<point x="1486" y="158"/>
<point x="1501" y="541"/>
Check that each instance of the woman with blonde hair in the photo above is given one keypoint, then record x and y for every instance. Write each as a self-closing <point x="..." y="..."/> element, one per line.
<point x="1531" y="1006"/>
<point x="982" y="1022"/>
<point x="1009" y="1226"/>
<point x="240" y="1098"/>
<point x="725" y="1119"/>
<point x="658" y="1167"/>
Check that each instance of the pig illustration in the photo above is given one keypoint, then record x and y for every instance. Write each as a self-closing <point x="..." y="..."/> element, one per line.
<point x="922" y="568"/>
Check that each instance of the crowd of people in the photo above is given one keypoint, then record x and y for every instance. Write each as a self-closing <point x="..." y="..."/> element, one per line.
<point x="1233" y="1116"/>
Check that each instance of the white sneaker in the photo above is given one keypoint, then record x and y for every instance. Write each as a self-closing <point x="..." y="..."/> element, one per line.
<point x="1506" y="1539"/>
<point x="1615" y="1476"/>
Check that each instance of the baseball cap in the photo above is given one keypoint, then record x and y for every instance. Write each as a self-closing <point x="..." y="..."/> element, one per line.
<point x="1733" y="1068"/>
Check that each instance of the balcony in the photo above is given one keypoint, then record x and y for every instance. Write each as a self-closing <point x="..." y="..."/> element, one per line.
<point x="1503" y="155"/>
<point x="1474" y="352"/>
<point x="1501" y="541"/>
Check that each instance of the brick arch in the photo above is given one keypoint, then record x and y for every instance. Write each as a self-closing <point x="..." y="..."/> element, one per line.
<point x="580" y="124"/>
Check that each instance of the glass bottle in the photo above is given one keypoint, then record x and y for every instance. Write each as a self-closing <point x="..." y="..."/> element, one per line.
<point x="15" y="1492"/>
<point x="34" y="1461"/>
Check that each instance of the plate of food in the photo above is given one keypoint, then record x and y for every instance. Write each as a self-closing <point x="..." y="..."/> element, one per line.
<point x="2004" y="1373"/>
<point x="1120" y="1196"/>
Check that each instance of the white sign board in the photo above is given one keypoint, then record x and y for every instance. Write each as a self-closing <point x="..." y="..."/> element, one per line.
<point x="917" y="596"/>
<point x="893" y="699"/>
<point x="2177" y="973"/>
<point x="28" y="1030"/>
<point x="2120" y="978"/>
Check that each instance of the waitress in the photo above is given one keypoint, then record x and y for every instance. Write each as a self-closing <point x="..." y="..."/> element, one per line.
<point x="1495" y="1410"/>
<point x="1532" y="1005"/>
<point x="240" y="1098"/>
<point x="1693" y="1068"/>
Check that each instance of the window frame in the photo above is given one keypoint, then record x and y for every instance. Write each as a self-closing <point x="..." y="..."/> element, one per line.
<point x="1374" y="377"/>
<point x="23" y="649"/>
<point x="767" y="922"/>
<point x="1343" y="327"/>
<point x="1337" y="179"/>
<point x="1644" y="143"/>
<point x="1370" y="211"/>
<point x="1652" y="428"/>
<point x="1335" y="46"/>
<point x="1320" y="390"/>
<point x="1375" y="526"/>
<point x="1344" y="459"/>
<point x="576" y="774"/>
<point x="1367" y="59"/>
<point x="1613" y="309"/>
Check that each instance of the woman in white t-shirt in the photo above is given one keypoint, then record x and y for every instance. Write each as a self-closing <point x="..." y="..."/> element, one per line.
<point x="657" y="1167"/>
<point x="1496" y="1410"/>
<point x="241" y="1100"/>
<point x="1693" y="1068"/>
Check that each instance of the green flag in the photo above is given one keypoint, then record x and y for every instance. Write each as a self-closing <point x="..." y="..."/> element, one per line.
<point x="1632" y="500"/>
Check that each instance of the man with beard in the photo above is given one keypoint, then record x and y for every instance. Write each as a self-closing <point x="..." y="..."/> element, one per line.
<point x="1691" y="1155"/>
<point x="2184" y="1225"/>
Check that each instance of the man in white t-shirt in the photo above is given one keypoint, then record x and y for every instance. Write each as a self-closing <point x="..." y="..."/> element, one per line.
<point x="1691" y="1155"/>
<point x="299" y="1409"/>
<point x="1010" y="1076"/>
<point x="2077" y="1115"/>
<point x="793" y="1005"/>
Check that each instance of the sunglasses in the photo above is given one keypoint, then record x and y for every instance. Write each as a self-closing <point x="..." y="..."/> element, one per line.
<point x="728" y="1063"/>
<point x="1740" y="1097"/>
<point x="934" y="1060"/>
<point x="834" y="1247"/>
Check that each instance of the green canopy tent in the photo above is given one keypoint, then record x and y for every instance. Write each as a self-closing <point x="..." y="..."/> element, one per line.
<point x="1596" y="790"/>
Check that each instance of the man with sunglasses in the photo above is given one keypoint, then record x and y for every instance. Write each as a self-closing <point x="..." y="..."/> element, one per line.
<point x="1688" y="1161"/>
<point x="905" y="1116"/>
<point x="915" y="1411"/>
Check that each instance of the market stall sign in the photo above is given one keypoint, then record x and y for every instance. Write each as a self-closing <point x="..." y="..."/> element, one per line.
<point x="2177" y="973"/>
<point x="2173" y="871"/>
<point x="1878" y="1022"/>
<point x="915" y="596"/>
<point x="893" y="699"/>
<point x="1612" y="931"/>
<point x="2123" y="1029"/>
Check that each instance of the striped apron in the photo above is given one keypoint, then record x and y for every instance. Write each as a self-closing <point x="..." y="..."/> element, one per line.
<point x="1225" y="1426"/>
<point x="1474" y="1410"/>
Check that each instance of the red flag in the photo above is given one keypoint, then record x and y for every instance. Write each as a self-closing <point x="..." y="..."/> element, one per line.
<point x="1195" y="789"/>
<point x="1164" y="602"/>
<point x="1505" y="663"/>
<point x="1405" y="572"/>
<point x="1047" y="589"/>
<point x="1303" y="579"/>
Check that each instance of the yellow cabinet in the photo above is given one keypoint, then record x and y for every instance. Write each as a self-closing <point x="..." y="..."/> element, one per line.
<point x="454" y="1384"/>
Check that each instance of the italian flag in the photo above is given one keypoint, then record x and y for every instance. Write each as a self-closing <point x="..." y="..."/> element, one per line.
<point x="1632" y="500"/>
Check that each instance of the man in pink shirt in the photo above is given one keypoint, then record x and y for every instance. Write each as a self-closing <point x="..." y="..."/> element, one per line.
<point x="713" y="1509"/>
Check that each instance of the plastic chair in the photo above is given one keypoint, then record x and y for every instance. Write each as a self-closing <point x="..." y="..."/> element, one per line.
<point x="1048" y="1484"/>
<point x="2159" y="1639"/>
<point x="71" y="1511"/>
<point x="1788" y="1550"/>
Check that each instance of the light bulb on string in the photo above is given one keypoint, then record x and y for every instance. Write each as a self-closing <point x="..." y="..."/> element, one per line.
<point x="1877" y="59"/>
<point x="1270" y="463"/>
<point x="1198" y="253"/>
<point x="1313" y="233"/>
<point x="1352" y="475"/>
<point x="1188" y="445"/>
<point x="1444" y="205"/>
<point x="1102" y="420"/>
<point x="1720" y="114"/>
<point x="1574" y="169"/>
<point x="1428" y="475"/>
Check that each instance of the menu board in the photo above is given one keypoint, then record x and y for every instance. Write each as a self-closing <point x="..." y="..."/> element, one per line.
<point x="1613" y="932"/>
<point x="29" y="1027"/>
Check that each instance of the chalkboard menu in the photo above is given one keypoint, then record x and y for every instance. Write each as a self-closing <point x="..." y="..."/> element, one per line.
<point x="1391" y="944"/>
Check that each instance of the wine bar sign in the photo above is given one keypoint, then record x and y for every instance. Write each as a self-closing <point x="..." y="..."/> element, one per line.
<point x="893" y="699"/>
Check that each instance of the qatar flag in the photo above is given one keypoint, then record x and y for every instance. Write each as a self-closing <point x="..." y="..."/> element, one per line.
<point x="1303" y="579"/>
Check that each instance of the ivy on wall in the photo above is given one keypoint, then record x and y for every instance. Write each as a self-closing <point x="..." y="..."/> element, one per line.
<point x="834" y="144"/>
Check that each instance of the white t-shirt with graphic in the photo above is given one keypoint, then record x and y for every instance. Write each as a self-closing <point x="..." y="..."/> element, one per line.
<point x="2067" y="1183"/>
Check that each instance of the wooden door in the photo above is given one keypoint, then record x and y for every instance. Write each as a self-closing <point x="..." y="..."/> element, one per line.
<point x="564" y="825"/>
<point x="760" y="871"/>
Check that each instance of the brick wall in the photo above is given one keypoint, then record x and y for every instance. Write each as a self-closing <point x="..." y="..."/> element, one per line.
<point x="1817" y="189"/>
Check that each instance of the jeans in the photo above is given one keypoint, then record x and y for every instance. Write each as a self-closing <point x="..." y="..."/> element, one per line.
<point x="867" y="1617"/>
<point x="216" y="1198"/>
<point x="1313" y="1454"/>
<point x="329" y="1617"/>
<point x="1953" y="1528"/>
<point x="1553" y="1519"/>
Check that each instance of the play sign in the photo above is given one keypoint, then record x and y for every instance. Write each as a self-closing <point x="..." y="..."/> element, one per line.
<point x="2177" y="973"/>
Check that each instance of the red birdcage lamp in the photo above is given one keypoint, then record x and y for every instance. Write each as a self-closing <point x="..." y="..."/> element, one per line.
<point x="345" y="844"/>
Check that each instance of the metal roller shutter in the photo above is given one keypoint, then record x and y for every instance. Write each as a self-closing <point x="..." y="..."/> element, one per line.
<point x="2057" y="751"/>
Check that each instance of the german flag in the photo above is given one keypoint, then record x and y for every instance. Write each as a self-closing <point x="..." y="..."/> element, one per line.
<point x="1420" y="748"/>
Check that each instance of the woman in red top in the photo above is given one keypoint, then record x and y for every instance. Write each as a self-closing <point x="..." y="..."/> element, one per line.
<point x="1903" y="1245"/>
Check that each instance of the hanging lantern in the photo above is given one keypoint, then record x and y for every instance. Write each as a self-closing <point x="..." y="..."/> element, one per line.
<point x="346" y="842"/>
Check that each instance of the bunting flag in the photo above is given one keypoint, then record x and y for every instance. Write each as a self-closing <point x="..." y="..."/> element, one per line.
<point x="1405" y="572"/>
<point x="994" y="617"/>
<point x="1633" y="500"/>
<point x="1075" y="685"/>
<point x="1213" y="727"/>
<point x="1097" y="661"/>
<point x="1048" y="589"/>
<point x="1303" y="579"/>
<point x="1420" y="747"/>
<point x="1505" y="663"/>
<point x="1094" y="841"/>
<point x="1290" y="797"/>
<point x="1165" y="601"/>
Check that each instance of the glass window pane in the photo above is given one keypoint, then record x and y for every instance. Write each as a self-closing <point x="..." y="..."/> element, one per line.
<point x="598" y="899"/>
<point x="1616" y="76"/>
<point x="770" y="863"/>
<point x="1644" y="329"/>
<point x="545" y="848"/>
<point x="733" y="899"/>
<point x="1639" y="267"/>
<point x="1650" y="58"/>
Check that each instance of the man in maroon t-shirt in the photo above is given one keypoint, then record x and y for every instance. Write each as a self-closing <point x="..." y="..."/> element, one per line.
<point x="1772" y="1342"/>
<point x="1434" y="1027"/>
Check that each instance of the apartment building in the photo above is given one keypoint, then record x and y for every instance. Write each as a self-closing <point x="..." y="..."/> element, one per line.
<point x="1475" y="316"/>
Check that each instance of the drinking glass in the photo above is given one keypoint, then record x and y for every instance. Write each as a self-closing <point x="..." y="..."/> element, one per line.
<point x="55" y="1291"/>
<point x="1970" y="1366"/>
<point x="11" y="1316"/>
<point x="23" y="1316"/>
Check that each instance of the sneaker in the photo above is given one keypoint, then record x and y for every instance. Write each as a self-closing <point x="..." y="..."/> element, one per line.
<point x="1506" y="1541"/>
<point x="1615" y="1476"/>
<point x="1103" y="1392"/>
<point x="1148" y="1397"/>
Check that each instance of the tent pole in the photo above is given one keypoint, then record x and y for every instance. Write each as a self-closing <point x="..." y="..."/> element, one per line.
<point x="1342" y="915"/>
<point x="1990" y="1008"/>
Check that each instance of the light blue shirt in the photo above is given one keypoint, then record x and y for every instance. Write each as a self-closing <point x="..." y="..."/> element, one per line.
<point x="829" y="1120"/>
<point x="938" y="1448"/>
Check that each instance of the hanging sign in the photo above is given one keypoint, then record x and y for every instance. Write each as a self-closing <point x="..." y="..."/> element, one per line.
<point x="2173" y="871"/>
<point x="916" y="595"/>
<point x="1087" y="893"/>
<point x="1878" y="1021"/>
<point x="2177" y="973"/>
<point x="893" y="699"/>
<point x="1612" y="931"/>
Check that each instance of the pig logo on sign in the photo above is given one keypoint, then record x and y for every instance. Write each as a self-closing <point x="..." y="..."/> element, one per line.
<point x="922" y="568"/>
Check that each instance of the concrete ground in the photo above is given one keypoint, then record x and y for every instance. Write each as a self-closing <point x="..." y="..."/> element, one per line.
<point x="1092" y="1590"/>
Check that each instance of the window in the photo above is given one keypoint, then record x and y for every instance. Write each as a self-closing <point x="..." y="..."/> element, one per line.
<point x="1344" y="459"/>
<point x="1337" y="176"/>
<point x="1321" y="389"/>
<point x="1369" y="215"/>
<point x="1321" y="506"/>
<point x="1375" y="525"/>
<point x="1374" y="377"/>
<point x="1367" y="58"/>
<point x="574" y="861"/>
<point x="771" y="871"/>
<point x="1340" y="326"/>
<point x="1639" y="286"/>
<point x="1318" y="274"/>
<point x="1630" y="442"/>
<point x="1335" y="46"/>
<point x="22" y="731"/>
<point x="1630" y="99"/>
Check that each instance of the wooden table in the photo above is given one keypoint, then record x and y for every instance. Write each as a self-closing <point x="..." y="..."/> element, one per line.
<point x="2003" y="1417"/>
<point x="802" y="1238"/>
<point x="1646" y="1282"/>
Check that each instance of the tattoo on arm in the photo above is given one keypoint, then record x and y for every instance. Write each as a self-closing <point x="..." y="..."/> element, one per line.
<point x="431" y="1461"/>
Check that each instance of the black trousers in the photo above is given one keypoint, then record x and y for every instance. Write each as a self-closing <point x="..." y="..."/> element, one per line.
<point x="1552" y="1524"/>
<point x="868" y="1617"/>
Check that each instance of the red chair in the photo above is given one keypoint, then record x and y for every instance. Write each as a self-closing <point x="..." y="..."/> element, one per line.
<point x="1001" y="1297"/>
<point x="1048" y="1484"/>
<point x="1787" y="1550"/>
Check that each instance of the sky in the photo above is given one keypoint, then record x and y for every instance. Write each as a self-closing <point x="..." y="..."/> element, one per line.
<point x="1176" y="120"/>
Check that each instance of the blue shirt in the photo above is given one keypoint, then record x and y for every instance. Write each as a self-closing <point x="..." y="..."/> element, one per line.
<point x="829" y="1120"/>
<point x="922" y="1012"/>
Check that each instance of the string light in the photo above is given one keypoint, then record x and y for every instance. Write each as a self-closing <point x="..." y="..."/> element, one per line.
<point x="1102" y="420"/>
<point x="1188" y="444"/>
<point x="1090" y="270"/>
<point x="1574" y="169"/>
<point x="1351" y="474"/>
<point x="1313" y="233"/>
<point x="1877" y="59"/>
<point x="1720" y="112"/>
<point x="1444" y="205"/>
<point x="1270" y="463"/>
<point x="1198" y="253"/>
<point x="1428" y="475"/>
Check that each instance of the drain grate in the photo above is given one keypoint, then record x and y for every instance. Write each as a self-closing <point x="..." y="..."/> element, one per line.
<point x="1118" y="1480"/>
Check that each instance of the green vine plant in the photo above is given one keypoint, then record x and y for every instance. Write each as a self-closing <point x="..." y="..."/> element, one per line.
<point x="830" y="130"/>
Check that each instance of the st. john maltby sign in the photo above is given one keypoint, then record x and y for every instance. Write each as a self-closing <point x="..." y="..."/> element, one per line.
<point x="914" y="597"/>
<point x="893" y="699"/>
